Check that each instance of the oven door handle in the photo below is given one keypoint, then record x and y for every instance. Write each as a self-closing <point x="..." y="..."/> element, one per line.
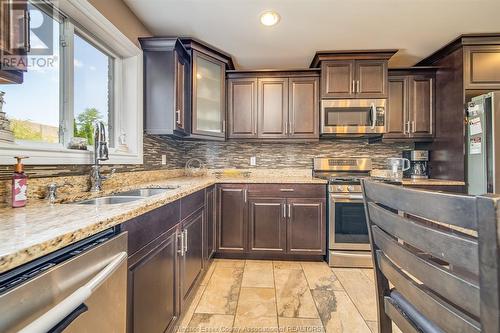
<point x="347" y="196"/>
<point x="51" y="318"/>
<point x="374" y="115"/>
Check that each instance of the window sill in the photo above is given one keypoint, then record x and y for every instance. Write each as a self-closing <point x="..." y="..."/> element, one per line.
<point x="55" y="154"/>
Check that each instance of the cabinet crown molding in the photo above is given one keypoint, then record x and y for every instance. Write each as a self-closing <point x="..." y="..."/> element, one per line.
<point x="379" y="54"/>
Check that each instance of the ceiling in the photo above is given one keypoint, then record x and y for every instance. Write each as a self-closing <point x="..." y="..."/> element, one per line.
<point x="415" y="27"/>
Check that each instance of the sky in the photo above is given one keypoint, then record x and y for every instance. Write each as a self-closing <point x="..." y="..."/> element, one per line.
<point x="37" y="99"/>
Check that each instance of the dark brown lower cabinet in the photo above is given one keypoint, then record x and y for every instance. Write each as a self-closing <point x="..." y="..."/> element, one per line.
<point x="267" y="223"/>
<point x="306" y="230"/>
<point x="152" y="280"/>
<point x="275" y="220"/>
<point x="191" y="260"/>
<point x="232" y="218"/>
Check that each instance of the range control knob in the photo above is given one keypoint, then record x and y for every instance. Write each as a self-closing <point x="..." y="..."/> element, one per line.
<point x="350" y="188"/>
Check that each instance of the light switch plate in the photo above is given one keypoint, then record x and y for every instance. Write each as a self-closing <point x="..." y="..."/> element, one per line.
<point x="253" y="161"/>
<point x="163" y="159"/>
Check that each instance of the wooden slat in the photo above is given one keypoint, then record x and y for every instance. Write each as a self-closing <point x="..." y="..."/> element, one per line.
<point x="451" y="287"/>
<point x="458" y="210"/>
<point x="455" y="249"/>
<point x="397" y="317"/>
<point x="440" y="313"/>
<point x="489" y="259"/>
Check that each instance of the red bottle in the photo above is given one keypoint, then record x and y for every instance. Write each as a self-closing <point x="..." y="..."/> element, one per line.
<point x="19" y="185"/>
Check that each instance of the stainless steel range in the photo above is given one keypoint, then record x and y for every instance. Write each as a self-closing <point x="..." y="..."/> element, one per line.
<point x="348" y="241"/>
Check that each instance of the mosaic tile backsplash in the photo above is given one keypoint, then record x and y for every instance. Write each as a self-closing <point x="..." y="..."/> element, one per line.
<point x="232" y="154"/>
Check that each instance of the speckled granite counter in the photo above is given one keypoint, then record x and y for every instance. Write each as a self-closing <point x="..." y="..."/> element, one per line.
<point x="432" y="182"/>
<point x="38" y="229"/>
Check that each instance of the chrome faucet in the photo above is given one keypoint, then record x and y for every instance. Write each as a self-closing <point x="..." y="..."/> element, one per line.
<point x="100" y="154"/>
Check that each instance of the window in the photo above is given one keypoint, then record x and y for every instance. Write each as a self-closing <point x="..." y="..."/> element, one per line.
<point x="95" y="72"/>
<point x="35" y="108"/>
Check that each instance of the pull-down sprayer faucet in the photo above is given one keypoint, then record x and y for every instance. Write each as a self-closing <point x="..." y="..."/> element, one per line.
<point x="100" y="154"/>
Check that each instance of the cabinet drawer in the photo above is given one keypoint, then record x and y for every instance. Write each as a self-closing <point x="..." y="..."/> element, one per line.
<point x="288" y="190"/>
<point x="144" y="228"/>
<point x="192" y="203"/>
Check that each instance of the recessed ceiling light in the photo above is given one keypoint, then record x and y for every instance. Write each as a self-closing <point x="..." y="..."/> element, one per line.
<point x="269" y="18"/>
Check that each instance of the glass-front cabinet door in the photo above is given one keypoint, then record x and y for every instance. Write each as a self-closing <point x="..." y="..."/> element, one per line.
<point x="208" y="96"/>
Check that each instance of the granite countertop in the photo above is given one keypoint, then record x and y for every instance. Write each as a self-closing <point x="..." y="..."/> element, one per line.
<point x="433" y="182"/>
<point x="39" y="228"/>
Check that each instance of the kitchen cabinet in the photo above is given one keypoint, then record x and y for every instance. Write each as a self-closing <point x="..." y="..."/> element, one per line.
<point x="273" y="105"/>
<point x="273" y="108"/>
<point x="354" y="79"/>
<point x="283" y="220"/>
<point x="210" y="222"/>
<point x="167" y="109"/>
<point x="242" y="108"/>
<point x="306" y="228"/>
<point x="482" y="67"/>
<point x="14" y="39"/>
<point x="232" y="218"/>
<point x="208" y="96"/>
<point x="152" y="283"/>
<point x="410" y="112"/>
<point x="191" y="259"/>
<point x="267" y="223"/>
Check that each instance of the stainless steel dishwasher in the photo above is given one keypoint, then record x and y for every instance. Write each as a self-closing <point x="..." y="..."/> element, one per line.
<point x="81" y="288"/>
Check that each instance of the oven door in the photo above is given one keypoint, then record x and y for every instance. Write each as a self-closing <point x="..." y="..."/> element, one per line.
<point x="347" y="222"/>
<point x="366" y="116"/>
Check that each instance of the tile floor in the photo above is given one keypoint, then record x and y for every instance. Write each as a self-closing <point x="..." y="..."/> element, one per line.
<point x="271" y="296"/>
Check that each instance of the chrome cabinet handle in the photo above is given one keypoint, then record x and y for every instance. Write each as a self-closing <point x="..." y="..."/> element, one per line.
<point x="185" y="241"/>
<point x="181" y="249"/>
<point x="284" y="211"/>
<point x="357" y="87"/>
<point x="353" y="86"/>
<point x="178" y="117"/>
<point x="286" y="190"/>
<point x="245" y="195"/>
<point x="289" y="211"/>
<point x="413" y="127"/>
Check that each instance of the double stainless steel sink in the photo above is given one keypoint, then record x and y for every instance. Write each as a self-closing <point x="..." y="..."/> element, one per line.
<point x="127" y="196"/>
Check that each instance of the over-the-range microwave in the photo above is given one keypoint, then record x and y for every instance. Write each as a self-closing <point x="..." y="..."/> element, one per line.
<point x="353" y="117"/>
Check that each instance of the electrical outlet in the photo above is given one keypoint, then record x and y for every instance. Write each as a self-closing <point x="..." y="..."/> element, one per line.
<point x="253" y="161"/>
<point x="163" y="159"/>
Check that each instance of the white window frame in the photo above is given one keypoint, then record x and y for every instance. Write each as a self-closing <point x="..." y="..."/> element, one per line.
<point x="127" y="110"/>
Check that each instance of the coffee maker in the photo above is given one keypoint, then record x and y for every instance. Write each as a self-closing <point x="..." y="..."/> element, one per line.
<point x="419" y="164"/>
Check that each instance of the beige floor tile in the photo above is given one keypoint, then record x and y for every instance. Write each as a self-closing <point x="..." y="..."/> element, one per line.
<point x="298" y="325"/>
<point x="338" y="313"/>
<point x="320" y="276"/>
<point x="258" y="274"/>
<point x="244" y="324"/>
<point x="257" y="302"/>
<point x="221" y="292"/>
<point x="208" y="274"/>
<point x="204" y="322"/>
<point x="360" y="289"/>
<point x="230" y="263"/>
<point x="287" y="265"/>
<point x="186" y="317"/>
<point x="369" y="273"/>
<point x="294" y="298"/>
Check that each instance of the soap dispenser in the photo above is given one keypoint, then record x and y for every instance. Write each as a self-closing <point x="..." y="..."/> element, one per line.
<point x="19" y="184"/>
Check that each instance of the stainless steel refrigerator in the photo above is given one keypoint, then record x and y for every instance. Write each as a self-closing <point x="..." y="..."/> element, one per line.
<point x="483" y="144"/>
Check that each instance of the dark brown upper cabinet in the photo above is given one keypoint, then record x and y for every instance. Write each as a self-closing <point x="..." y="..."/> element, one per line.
<point x="303" y="107"/>
<point x="482" y="67"/>
<point x="273" y="108"/>
<point x="166" y="87"/>
<point x="354" y="79"/>
<point x="184" y="88"/>
<point x="273" y="105"/>
<point x="14" y="39"/>
<point x="410" y="111"/>
<point x="242" y="108"/>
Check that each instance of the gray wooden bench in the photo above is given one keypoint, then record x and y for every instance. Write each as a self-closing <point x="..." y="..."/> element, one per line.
<point x="431" y="274"/>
